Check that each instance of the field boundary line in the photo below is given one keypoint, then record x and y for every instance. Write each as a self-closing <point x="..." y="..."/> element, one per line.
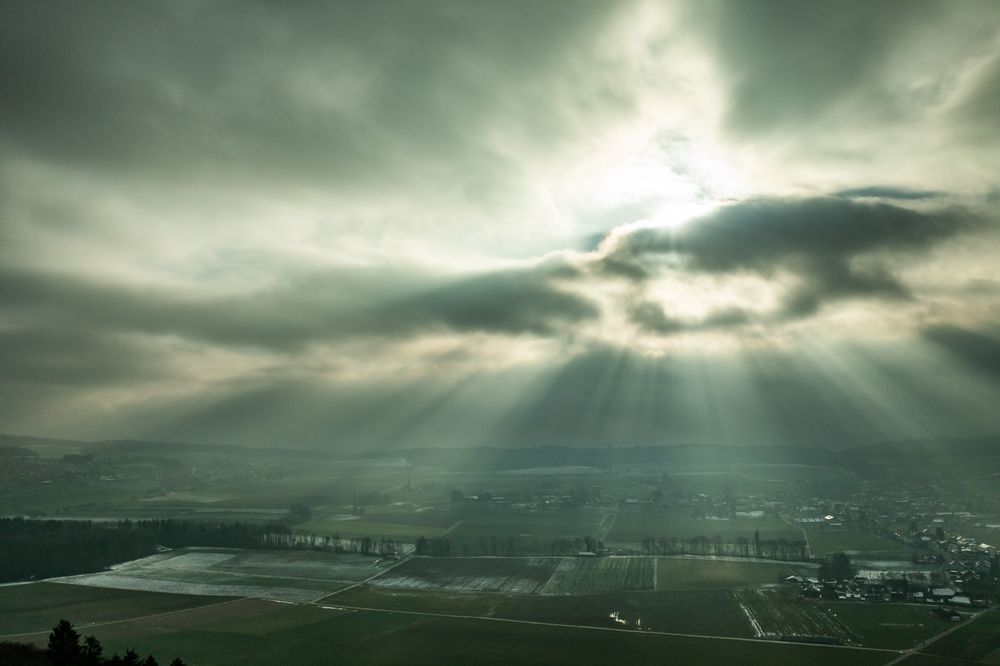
<point x="916" y="649"/>
<point x="137" y="618"/>
<point x="452" y="528"/>
<point x="593" y="628"/>
<point x="805" y="537"/>
<point x="360" y="582"/>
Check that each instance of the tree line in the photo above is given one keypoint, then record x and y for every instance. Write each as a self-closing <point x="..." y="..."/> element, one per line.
<point x="510" y="546"/>
<point x="36" y="549"/>
<point x="772" y="549"/>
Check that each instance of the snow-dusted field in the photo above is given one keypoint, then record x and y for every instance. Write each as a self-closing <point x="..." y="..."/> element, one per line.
<point x="598" y="575"/>
<point x="125" y="582"/>
<point x="476" y="574"/>
<point x="281" y="575"/>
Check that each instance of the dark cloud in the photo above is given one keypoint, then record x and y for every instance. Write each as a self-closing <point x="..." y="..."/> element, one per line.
<point x="311" y="308"/>
<point x="978" y="350"/>
<point x="68" y="356"/>
<point x="883" y="192"/>
<point x="337" y="94"/>
<point x="791" y="63"/>
<point x="651" y="317"/>
<point x="834" y="247"/>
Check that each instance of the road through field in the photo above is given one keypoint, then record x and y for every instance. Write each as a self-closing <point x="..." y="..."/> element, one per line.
<point x="488" y="618"/>
<point x="917" y="648"/>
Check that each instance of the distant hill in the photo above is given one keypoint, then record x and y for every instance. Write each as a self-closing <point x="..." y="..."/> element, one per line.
<point x="912" y="450"/>
<point x="932" y="447"/>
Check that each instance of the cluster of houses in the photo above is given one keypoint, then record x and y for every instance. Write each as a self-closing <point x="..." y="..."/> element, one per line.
<point x="878" y="585"/>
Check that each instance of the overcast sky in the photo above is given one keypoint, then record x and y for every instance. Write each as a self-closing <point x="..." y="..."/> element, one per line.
<point x="370" y="225"/>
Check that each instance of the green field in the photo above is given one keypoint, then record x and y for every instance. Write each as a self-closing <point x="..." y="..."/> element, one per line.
<point x="433" y="601"/>
<point x="823" y="540"/>
<point x="259" y="632"/>
<point x="38" y="606"/>
<point x="978" y="640"/>
<point x="634" y="527"/>
<point x="523" y="533"/>
<point x="680" y="573"/>
<point x="886" y="625"/>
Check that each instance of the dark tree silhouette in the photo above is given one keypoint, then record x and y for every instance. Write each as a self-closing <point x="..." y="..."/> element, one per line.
<point x="64" y="644"/>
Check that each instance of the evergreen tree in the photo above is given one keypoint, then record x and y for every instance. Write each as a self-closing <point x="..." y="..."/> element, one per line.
<point x="64" y="644"/>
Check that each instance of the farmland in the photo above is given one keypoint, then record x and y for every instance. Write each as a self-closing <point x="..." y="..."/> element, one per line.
<point x="593" y="575"/>
<point x="520" y="575"/>
<point x="499" y="549"/>
<point x="634" y="527"/>
<point x="775" y="612"/>
<point x="825" y="540"/>
<point x="286" y="575"/>
<point x="259" y="632"/>
<point x="979" y="640"/>
<point x="680" y="573"/>
<point x="38" y="606"/>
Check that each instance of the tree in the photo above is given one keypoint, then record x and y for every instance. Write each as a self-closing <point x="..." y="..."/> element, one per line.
<point x="93" y="653"/>
<point x="64" y="644"/>
<point x="300" y="512"/>
<point x="837" y="566"/>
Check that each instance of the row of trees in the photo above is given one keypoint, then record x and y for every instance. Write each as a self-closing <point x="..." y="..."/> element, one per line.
<point x="509" y="546"/>
<point x="505" y="546"/>
<point x="34" y="549"/>
<point x="67" y="648"/>
<point x="773" y="549"/>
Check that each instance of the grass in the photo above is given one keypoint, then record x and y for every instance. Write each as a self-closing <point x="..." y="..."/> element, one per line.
<point x="826" y="540"/>
<point x="676" y="573"/>
<point x="892" y="626"/>
<point x="521" y="533"/>
<point x="38" y="606"/>
<point x="710" y="612"/>
<point x="634" y="527"/>
<point x="432" y="601"/>
<point x="978" y="640"/>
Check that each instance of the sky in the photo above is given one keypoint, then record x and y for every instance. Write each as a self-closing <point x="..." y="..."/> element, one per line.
<point x="372" y="225"/>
